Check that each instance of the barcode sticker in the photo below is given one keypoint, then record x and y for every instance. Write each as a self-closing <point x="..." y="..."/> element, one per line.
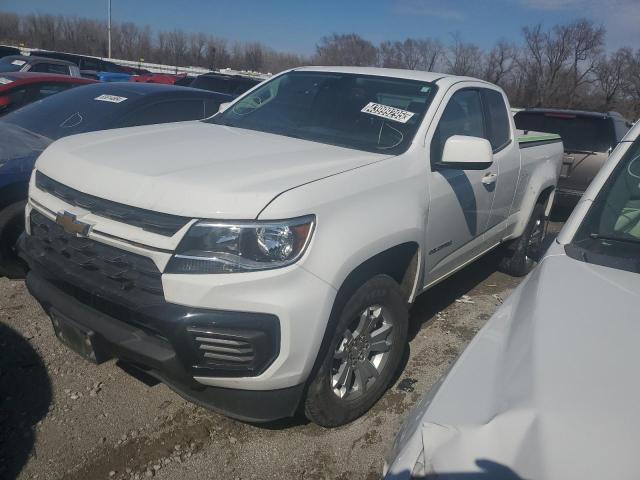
<point x="390" y="113"/>
<point x="110" y="98"/>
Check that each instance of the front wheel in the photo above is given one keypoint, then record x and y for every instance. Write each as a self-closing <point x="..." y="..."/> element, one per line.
<point x="363" y="356"/>
<point x="522" y="254"/>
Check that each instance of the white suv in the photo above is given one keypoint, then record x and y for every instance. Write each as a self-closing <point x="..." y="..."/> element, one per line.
<point x="263" y="260"/>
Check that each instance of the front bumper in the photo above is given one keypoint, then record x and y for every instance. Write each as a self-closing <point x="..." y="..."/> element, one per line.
<point x="155" y="355"/>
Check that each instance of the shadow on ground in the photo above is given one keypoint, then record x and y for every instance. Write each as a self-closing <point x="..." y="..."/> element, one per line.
<point x="25" y="396"/>
<point x="444" y="294"/>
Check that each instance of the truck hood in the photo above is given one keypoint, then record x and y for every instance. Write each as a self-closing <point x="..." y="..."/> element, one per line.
<point x="547" y="389"/>
<point x="193" y="169"/>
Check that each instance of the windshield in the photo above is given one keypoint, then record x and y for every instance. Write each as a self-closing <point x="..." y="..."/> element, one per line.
<point x="371" y="113"/>
<point x="73" y="111"/>
<point x="9" y="67"/>
<point x="610" y="233"/>
<point x="579" y="133"/>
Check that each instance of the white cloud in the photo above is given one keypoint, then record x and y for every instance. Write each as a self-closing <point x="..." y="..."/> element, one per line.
<point x="427" y="8"/>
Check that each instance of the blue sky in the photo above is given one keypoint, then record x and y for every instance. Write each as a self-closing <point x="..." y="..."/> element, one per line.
<point x="296" y="25"/>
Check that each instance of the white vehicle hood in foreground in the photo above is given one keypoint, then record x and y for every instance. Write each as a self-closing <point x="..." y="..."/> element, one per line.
<point x="549" y="389"/>
<point x="193" y="169"/>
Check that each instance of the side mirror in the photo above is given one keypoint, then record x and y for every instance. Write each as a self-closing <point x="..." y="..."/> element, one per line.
<point x="223" y="106"/>
<point x="467" y="153"/>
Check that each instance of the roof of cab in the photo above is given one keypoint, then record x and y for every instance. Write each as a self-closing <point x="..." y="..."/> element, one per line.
<point x="419" y="75"/>
<point x="31" y="58"/>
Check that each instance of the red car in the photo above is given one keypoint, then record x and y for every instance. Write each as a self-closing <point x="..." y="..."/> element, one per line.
<point x="18" y="89"/>
<point x="165" y="78"/>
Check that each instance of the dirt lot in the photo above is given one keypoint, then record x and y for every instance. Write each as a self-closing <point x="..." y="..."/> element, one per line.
<point x="61" y="417"/>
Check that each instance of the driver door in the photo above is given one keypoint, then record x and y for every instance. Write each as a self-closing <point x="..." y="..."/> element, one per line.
<point x="460" y="199"/>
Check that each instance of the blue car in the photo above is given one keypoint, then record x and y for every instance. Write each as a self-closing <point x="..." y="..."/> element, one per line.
<point x="113" y="77"/>
<point x="25" y="133"/>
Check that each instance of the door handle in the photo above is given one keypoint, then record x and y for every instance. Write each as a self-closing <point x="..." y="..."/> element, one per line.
<point x="489" y="178"/>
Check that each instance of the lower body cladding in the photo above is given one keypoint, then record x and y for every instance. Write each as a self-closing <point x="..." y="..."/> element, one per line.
<point x="107" y="303"/>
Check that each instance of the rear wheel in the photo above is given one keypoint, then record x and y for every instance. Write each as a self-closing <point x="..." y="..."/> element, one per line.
<point x="11" y="227"/>
<point x="363" y="356"/>
<point x="522" y="254"/>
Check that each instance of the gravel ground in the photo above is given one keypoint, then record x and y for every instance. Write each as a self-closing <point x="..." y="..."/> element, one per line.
<point x="61" y="417"/>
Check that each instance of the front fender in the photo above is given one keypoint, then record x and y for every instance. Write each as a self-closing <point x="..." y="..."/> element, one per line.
<point x="360" y="213"/>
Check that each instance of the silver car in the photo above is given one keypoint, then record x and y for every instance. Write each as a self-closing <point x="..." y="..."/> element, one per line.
<point x="549" y="387"/>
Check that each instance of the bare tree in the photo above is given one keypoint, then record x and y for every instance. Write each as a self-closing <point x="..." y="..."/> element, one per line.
<point x="348" y="49"/>
<point x="253" y="56"/>
<point x="176" y="44"/>
<point x="586" y="41"/>
<point x="463" y="58"/>
<point x="413" y="54"/>
<point x="10" y="28"/>
<point x="499" y="62"/>
<point x="217" y="54"/>
<point x="611" y="75"/>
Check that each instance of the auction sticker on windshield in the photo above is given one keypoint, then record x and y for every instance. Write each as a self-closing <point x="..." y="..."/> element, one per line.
<point x="390" y="113"/>
<point x="19" y="63"/>
<point x="5" y="81"/>
<point x="110" y="98"/>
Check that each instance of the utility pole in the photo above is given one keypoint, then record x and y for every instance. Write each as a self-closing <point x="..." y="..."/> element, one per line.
<point x="109" y="28"/>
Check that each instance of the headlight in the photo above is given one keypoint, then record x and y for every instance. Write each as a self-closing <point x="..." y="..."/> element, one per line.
<point x="230" y="247"/>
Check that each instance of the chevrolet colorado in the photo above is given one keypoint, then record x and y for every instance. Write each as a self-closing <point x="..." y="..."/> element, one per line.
<point x="261" y="262"/>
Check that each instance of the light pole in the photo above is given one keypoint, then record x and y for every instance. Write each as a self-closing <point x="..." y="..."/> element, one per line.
<point x="109" y="28"/>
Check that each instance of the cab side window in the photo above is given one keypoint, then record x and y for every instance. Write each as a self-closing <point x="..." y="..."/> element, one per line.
<point x="498" y="124"/>
<point x="462" y="116"/>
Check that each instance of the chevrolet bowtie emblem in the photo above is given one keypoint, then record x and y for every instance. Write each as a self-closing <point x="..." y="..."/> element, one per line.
<point x="70" y="225"/>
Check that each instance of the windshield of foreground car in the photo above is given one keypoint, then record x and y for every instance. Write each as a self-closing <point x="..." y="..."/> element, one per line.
<point x="610" y="233"/>
<point x="73" y="111"/>
<point x="363" y="112"/>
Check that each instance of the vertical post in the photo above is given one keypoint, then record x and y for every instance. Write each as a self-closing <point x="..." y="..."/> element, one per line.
<point x="109" y="28"/>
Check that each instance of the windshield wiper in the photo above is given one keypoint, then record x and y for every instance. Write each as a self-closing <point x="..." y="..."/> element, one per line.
<point x="614" y="238"/>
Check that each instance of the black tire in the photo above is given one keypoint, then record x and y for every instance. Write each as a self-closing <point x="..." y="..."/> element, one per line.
<point x="11" y="227"/>
<point x="522" y="254"/>
<point x="322" y="405"/>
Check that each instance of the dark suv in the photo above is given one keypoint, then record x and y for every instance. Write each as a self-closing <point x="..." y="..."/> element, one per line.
<point x="588" y="139"/>
<point x="233" y="85"/>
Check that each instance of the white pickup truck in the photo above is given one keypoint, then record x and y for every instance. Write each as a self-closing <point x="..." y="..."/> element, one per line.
<point x="262" y="262"/>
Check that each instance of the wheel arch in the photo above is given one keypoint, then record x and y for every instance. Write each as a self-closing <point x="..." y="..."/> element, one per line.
<point x="401" y="262"/>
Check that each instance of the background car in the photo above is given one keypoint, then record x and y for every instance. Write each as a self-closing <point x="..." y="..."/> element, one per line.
<point x="233" y="85"/>
<point x="6" y="51"/>
<point x="547" y="389"/>
<point x="21" y="63"/>
<point x="21" y="88"/>
<point x="588" y="139"/>
<point x="25" y="133"/>
<point x="113" y="77"/>
<point x="165" y="78"/>
<point x="90" y="64"/>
